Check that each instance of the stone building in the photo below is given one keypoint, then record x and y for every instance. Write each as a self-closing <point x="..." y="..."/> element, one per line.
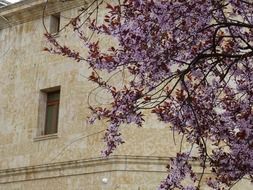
<point x="45" y="141"/>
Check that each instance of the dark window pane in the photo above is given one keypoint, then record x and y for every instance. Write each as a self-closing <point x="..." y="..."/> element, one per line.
<point x="53" y="96"/>
<point x="52" y="111"/>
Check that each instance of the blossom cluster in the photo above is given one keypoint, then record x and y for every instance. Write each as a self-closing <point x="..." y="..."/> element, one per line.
<point x="191" y="64"/>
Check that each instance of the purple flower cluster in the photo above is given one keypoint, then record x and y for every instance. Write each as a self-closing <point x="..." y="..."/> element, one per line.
<point x="191" y="65"/>
<point x="178" y="170"/>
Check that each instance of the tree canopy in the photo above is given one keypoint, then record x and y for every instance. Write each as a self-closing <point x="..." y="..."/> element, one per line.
<point x="191" y="63"/>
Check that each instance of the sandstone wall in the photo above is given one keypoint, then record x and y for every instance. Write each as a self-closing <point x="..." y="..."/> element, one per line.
<point x="71" y="158"/>
<point x="27" y="160"/>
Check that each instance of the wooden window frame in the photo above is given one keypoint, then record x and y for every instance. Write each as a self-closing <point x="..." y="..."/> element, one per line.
<point x="54" y="117"/>
<point x="42" y="130"/>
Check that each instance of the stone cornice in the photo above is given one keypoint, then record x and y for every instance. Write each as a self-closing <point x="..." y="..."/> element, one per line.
<point x="83" y="167"/>
<point x="114" y="163"/>
<point x="27" y="10"/>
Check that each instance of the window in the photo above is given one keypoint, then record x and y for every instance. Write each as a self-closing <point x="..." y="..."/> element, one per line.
<point x="49" y="103"/>
<point x="54" y="26"/>
<point x="52" y="112"/>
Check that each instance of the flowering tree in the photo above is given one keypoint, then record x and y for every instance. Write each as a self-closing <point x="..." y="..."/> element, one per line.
<point x="191" y="63"/>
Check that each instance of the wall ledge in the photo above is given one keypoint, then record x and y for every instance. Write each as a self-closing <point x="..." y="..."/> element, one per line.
<point x="84" y="167"/>
<point x="28" y="10"/>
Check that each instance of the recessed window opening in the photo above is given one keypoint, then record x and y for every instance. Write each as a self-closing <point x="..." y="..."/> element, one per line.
<point x="54" y="27"/>
<point x="52" y="112"/>
<point x="49" y="104"/>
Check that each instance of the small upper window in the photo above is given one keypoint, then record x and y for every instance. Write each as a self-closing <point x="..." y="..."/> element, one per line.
<point x="54" y="26"/>
<point x="52" y="112"/>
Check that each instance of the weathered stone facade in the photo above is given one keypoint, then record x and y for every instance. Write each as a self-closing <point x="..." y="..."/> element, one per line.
<point x="71" y="158"/>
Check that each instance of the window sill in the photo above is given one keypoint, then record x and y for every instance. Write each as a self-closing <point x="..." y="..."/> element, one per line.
<point x="46" y="137"/>
<point x="55" y="34"/>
